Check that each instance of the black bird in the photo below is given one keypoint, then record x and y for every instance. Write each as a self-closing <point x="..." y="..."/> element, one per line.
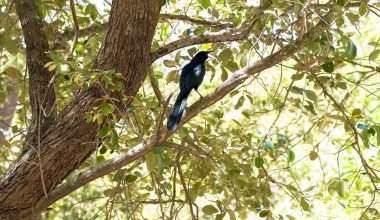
<point x="192" y="76"/>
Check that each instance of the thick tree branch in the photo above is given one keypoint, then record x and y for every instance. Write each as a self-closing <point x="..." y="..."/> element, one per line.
<point x="98" y="171"/>
<point x="70" y="140"/>
<point x="98" y="28"/>
<point x="231" y="35"/>
<point x="233" y="82"/>
<point x="195" y="21"/>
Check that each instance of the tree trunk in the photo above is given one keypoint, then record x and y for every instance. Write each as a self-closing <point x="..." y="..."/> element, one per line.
<point x="69" y="141"/>
<point x="41" y="95"/>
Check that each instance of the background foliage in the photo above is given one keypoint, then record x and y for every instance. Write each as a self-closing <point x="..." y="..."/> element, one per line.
<point x="299" y="140"/>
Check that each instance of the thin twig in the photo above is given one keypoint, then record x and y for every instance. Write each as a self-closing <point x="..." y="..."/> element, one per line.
<point x="187" y="193"/>
<point x="76" y="27"/>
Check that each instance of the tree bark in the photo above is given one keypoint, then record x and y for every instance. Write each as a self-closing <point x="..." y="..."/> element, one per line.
<point x="41" y="95"/>
<point x="69" y="140"/>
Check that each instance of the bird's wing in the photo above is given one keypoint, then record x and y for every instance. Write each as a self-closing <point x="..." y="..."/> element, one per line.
<point x="186" y="79"/>
<point x="191" y="76"/>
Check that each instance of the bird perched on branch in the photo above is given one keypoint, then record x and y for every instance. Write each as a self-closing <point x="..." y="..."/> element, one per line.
<point x="192" y="76"/>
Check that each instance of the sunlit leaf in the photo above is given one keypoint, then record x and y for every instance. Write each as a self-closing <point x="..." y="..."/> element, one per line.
<point x="298" y="76"/>
<point x="150" y="161"/>
<point x="313" y="155"/>
<point x="107" y="108"/>
<point x="239" y="103"/>
<point x="259" y="161"/>
<point x="224" y="75"/>
<point x="374" y="55"/>
<point x="305" y="205"/>
<point x="362" y="8"/>
<point x="351" y="50"/>
<point x="341" y="85"/>
<point x="205" y="3"/>
<point x="311" y="95"/>
<point x="170" y="63"/>
<point x="209" y="210"/>
<point x="291" y="156"/>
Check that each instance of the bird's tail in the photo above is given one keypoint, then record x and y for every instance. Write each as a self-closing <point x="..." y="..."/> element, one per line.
<point x="177" y="111"/>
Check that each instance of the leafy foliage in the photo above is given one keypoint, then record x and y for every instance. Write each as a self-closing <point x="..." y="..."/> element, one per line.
<point x="297" y="140"/>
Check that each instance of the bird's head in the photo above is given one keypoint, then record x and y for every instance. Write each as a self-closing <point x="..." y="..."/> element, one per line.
<point x="201" y="56"/>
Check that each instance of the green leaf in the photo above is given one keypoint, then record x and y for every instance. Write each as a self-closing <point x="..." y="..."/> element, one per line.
<point x="118" y="86"/>
<point x="79" y="48"/>
<point x="89" y="117"/>
<point x="365" y="138"/>
<point x="231" y="214"/>
<point x="107" y="109"/>
<point x="178" y="57"/>
<point x="259" y="161"/>
<point x="90" y="9"/>
<point x="103" y="131"/>
<point x="341" y="85"/>
<point x="356" y="112"/>
<point x="172" y="76"/>
<point x="291" y="156"/>
<point x="374" y="55"/>
<point x="340" y="2"/>
<point x="232" y="66"/>
<point x="226" y="55"/>
<point x="100" y="159"/>
<point x="341" y="188"/>
<point x="52" y="67"/>
<point x="377" y="129"/>
<point x="313" y="155"/>
<point x="130" y="178"/>
<point x="362" y="8"/>
<point x="310" y="107"/>
<point x="297" y="8"/>
<point x="298" y="76"/>
<point x="353" y="18"/>
<point x="328" y="66"/>
<point x="150" y="161"/>
<point x="209" y="210"/>
<point x="339" y="21"/>
<point x="240" y="102"/>
<point x="311" y="95"/>
<point x="170" y="63"/>
<point x="192" y="51"/>
<point x="205" y="3"/>
<point x="263" y="213"/>
<point x="308" y="189"/>
<point x="160" y="163"/>
<point x="296" y="90"/>
<point x="351" y="50"/>
<point x="224" y="76"/>
<point x="305" y="206"/>
<point x="103" y="150"/>
<point x="114" y="138"/>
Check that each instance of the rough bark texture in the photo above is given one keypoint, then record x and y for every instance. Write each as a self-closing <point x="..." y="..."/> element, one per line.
<point x="70" y="140"/>
<point x="42" y="97"/>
